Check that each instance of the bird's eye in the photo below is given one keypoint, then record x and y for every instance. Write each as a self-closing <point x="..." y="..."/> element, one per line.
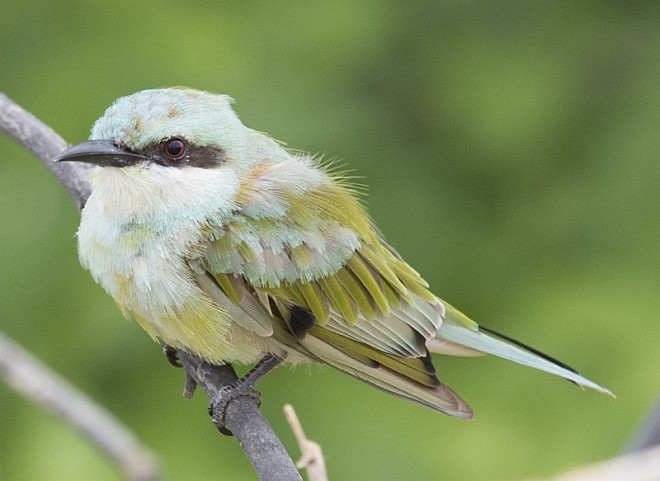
<point x="175" y="148"/>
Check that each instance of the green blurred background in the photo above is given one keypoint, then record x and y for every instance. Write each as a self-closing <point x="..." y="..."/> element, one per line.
<point x="511" y="150"/>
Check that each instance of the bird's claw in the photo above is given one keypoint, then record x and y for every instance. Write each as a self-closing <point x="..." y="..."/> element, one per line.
<point x="171" y="355"/>
<point x="220" y="402"/>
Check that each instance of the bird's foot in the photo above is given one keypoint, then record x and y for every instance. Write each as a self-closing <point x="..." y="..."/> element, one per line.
<point x="242" y="387"/>
<point x="172" y="357"/>
<point x="220" y="402"/>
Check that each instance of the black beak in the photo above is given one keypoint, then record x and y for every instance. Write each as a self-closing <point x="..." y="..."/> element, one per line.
<point x="99" y="152"/>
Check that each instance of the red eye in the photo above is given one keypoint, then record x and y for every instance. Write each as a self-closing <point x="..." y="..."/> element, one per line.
<point x="174" y="148"/>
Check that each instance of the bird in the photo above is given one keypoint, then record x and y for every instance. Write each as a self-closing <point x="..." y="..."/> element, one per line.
<point x="219" y="241"/>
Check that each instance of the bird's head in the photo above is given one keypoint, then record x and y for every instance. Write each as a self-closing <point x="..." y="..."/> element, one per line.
<point x="170" y="127"/>
<point x="186" y="153"/>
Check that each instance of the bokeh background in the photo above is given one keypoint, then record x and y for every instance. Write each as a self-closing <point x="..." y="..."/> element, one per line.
<point x="512" y="151"/>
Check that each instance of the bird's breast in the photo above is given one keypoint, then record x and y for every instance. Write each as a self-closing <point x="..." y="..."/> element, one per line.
<point x="141" y="264"/>
<point x="144" y="267"/>
<point x="139" y="227"/>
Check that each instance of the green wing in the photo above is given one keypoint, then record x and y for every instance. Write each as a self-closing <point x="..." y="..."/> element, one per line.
<point x="332" y="288"/>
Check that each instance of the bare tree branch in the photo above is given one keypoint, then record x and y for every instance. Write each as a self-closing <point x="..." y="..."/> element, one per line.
<point x="35" y="136"/>
<point x="30" y="377"/>
<point x="648" y="434"/>
<point x="638" y="466"/>
<point x="640" y="461"/>
<point x="251" y="429"/>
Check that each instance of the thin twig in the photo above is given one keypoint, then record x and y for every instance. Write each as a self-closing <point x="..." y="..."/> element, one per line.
<point x="34" y="380"/>
<point x="253" y="432"/>
<point x="312" y="456"/>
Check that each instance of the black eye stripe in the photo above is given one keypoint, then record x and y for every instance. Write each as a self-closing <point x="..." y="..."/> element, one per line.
<point x="177" y="151"/>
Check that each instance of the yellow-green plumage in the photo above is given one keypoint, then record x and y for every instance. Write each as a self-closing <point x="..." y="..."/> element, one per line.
<point x="233" y="248"/>
<point x="366" y="286"/>
<point x="339" y="298"/>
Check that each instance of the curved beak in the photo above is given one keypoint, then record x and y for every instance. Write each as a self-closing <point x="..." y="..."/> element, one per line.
<point x="99" y="152"/>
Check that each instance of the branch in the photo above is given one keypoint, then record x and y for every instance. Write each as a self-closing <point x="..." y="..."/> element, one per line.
<point x="638" y="466"/>
<point x="254" y="434"/>
<point x="252" y="431"/>
<point x="30" y="377"/>
<point x="648" y="434"/>
<point x="32" y="134"/>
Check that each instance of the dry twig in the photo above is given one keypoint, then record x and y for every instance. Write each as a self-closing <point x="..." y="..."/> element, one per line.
<point x="34" y="380"/>
<point x="312" y="455"/>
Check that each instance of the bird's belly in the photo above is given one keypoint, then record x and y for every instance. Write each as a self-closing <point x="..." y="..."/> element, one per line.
<point x="146" y="273"/>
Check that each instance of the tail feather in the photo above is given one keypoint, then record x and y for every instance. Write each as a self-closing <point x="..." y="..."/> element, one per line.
<point x="456" y="330"/>
<point x="504" y="348"/>
<point x="528" y="348"/>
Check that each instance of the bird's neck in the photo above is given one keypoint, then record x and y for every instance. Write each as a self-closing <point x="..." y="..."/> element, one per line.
<point x="161" y="194"/>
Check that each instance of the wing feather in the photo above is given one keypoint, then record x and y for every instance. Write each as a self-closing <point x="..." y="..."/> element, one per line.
<point x="300" y="262"/>
<point x="302" y="250"/>
<point x="339" y="299"/>
<point x="303" y="238"/>
<point x="370" y="281"/>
